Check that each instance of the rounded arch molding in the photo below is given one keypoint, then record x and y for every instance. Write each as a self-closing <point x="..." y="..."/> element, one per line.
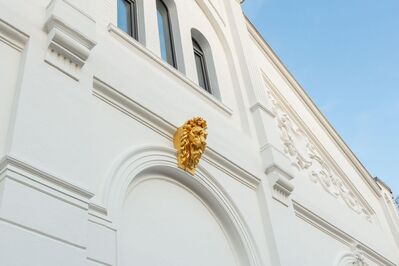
<point x="135" y="165"/>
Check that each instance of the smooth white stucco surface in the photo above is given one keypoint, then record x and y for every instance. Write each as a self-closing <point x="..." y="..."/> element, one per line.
<point x="88" y="172"/>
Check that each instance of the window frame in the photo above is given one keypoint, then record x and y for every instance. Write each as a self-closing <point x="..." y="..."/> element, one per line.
<point x="170" y="31"/>
<point x="132" y="28"/>
<point x="200" y="53"/>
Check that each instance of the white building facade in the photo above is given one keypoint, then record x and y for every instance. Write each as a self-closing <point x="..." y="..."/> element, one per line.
<point x="91" y="94"/>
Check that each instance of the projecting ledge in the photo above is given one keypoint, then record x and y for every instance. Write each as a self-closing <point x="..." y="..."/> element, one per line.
<point x="279" y="174"/>
<point x="71" y="37"/>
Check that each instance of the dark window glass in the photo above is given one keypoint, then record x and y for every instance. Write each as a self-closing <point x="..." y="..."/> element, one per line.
<point x="127" y="17"/>
<point x="165" y="34"/>
<point x="202" y="72"/>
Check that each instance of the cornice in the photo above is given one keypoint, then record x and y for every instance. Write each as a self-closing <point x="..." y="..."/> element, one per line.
<point x="313" y="219"/>
<point x="318" y="149"/>
<point x="118" y="33"/>
<point x="27" y="173"/>
<point x="12" y="36"/>
<point x="70" y="41"/>
<point x="381" y="183"/>
<point x="299" y="91"/>
<point x="146" y="117"/>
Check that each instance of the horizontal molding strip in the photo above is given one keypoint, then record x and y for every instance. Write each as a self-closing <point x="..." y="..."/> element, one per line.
<point x="314" y="140"/>
<point x="12" y="36"/>
<point x="313" y="219"/>
<point x="40" y="233"/>
<point x="316" y="113"/>
<point x="10" y="164"/>
<point x="116" y="32"/>
<point x="128" y="106"/>
<point x="98" y="262"/>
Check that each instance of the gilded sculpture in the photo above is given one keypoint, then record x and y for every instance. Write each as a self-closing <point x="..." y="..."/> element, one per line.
<point x="189" y="142"/>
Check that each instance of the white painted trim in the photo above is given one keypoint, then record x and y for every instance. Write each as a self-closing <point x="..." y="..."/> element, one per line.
<point x="326" y="227"/>
<point x="261" y="106"/>
<point x="97" y="262"/>
<point x="26" y="173"/>
<point x="155" y="122"/>
<point x="279" y="66"/>
<point x="320" y="148"/>
<point x="69" y="43"/>
<point x="213" y="7"/>
<point x="133" y="109"/>
<point x="42" y="234"/>
<point x="12" y="36"/>
<point x="140" y="162"/>
<point x="121" y="35"/>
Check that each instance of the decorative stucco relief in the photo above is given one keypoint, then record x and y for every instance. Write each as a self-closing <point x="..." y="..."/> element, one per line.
<point x="189" y="141"/>
<point x="353" y="258"/>
<point x="306" y="157"/>
<point x="71" y="37"/>
<point x="359" y="259"/>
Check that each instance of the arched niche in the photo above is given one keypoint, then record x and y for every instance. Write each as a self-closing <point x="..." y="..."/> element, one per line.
<point x="149" y="174"/>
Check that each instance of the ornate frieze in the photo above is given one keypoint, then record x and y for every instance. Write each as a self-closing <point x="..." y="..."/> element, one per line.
<point x="306" y="157"/>
<point x="189" y="141"/>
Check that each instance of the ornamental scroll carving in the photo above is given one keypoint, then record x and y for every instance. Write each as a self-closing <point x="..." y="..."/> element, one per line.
<point x="306" y="157"/>
<point x="359" y="259"/>
<point x="353" y="258"/>
<point x="189" y="142"/>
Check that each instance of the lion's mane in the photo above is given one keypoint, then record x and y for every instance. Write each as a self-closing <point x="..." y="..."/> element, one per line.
<point x="187" y="160"/>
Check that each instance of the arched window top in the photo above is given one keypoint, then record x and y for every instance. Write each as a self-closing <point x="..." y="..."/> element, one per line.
<point x="201" y="67"/>
<point x="204" y="63"/>
<point x="165" y="34"/>
<point x="197" y="46"/>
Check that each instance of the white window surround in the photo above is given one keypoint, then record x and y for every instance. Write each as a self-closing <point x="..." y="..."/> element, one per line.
<point x="175" y="35"/>
<point x="165" y="33"/>
<point x="209" y="59"/>
<point x="129" y="42"/>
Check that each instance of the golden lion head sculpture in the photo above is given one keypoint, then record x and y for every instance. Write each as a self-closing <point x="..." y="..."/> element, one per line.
<point x="189" y="141"/>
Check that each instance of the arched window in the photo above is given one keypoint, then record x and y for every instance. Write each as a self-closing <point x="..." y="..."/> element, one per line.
<point x="127" y="17"/>
<point x="165" y="34"/>
<point x="200" y="63"/>
<point x="204" y="63"/>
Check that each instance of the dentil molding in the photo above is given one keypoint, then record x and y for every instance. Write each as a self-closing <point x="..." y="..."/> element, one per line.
<point x="71" y="37"/>
<point x="279" y="175"/>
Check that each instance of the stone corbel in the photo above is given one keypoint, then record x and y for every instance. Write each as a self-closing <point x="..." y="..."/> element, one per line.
<point x="278" y="171"/>
<point x="71" y="37"/>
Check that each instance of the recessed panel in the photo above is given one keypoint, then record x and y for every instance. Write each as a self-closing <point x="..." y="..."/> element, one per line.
<point x="165" y="224"/>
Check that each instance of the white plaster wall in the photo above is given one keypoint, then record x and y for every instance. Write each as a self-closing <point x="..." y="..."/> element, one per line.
<point x="174" y="223"/>
<point x="9" y="70"/>
<point x="78" y="141"/>
<point x="374" y="233"/>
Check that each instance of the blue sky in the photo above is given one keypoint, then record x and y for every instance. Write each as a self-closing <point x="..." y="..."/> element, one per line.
<point x="345" y="54"/>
